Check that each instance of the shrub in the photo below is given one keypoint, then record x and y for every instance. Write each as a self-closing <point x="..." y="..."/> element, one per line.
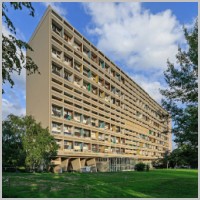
<point x="147" y="167"/>
<point x="139" y="167"/>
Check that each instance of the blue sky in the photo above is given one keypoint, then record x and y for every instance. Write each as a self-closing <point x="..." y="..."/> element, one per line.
<point x="139" y="37"/>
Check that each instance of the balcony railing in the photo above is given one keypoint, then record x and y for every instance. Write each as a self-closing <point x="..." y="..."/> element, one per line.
<point x="56" y="130"/>
<point x="57" y="113"/>
<point x="56" y="30"/>
<point x="56" y="72"/>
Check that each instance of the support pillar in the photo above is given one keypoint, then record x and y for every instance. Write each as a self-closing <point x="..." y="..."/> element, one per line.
<point x="64" y="164"/>
<point x="83" y="161"/>
<point x="76" y="164"/>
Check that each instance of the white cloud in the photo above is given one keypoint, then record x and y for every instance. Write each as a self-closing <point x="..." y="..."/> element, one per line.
<point x="5" y="30"/>
<point x="138" y="39"/>
<point x="19" y="80"/>
<point x="56" y="6"/>
<point x="190" y="25"/>
<point x="126" y="32"/>
<point x="9" y="107"/>
<point x="14" y="99"/>
<point x="150" y="85"/>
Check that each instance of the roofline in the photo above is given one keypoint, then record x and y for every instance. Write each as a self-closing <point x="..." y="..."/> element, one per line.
<point x="49" y="8"/>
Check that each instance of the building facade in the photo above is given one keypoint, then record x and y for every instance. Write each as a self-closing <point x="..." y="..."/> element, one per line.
<point x="98" y="115"/>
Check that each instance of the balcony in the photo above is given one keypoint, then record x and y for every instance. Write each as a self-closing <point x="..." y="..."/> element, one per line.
<point x="117" y="93"/>
<point x="94" y="77"/>
<point x="112" y="73"/>
<point x="85" y="148"/>
<point x="113" y="89"/>
<point x="68" y="77"/>
<point x="107" y="68"/>
<point x="86" y="120"/>
<point x="68" y="38"/>
<point x="106" y="150"/>
<point x="77" y="67"/>
<point x="122" y="141"/>
<point x="101" y="137"/>
<point x="86" y="52"/>
<point x="67" y="61"/>
<point x="107" y="126"/>
<point x="77" y="132"/>
<point x="77" y="117"/>
<point x="56" y="129"/>
<point x="117" y="151"/>
<point x="101" y="94"/>
<point x="94" y="57"/>
<point x="86" y="86"/>
<point x="113" y="150"/>
<point x="117" y="76"/>
<point x="68" y="145"/>
<point x="118" y="129"/>
<point x="107" y="99"/>
<point x="117" y="140"/>
<point x="117" y="103"/>
<point x="95" y="148"/>
<point x="107" y="85"/>
<point x="68" y="114"/>
<point x="67" y="130"/>
<point x="94" y="90"/>
<point x="77" y="148"/>
<point x="112" y="100"/>
<point x="93" y="135"/>
<point x="56" y="53"/>
<point x="86" y="72"/>
<point x="77" y="45"/>
<point x="56" y="70"/>
<point x="101" y="82"/>
<point x="101" y="124"/>
<point x="77" y="81"/>
<point x="57" y="30"/>
<point x="57" y="112"/>
<point x="113" y="139"/>
<point x="101" y="63"/>
<point x="86" y="133"/>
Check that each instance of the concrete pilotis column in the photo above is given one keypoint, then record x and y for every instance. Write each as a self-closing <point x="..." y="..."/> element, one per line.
<point x="76" y="164"/>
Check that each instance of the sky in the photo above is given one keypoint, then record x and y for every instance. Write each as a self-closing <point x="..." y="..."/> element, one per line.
<point x="138" y="37"/>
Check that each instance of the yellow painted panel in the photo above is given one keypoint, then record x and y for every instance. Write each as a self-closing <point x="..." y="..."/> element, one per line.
<point x="96" y="78"/>
<point x="136" y="127"/>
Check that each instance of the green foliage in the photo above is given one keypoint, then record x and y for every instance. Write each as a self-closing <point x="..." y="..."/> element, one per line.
<point x="179" y="158"/>
<point x="162" y="162"/>
<point x="12" y="150"/>
<point x="147" y="167"/>
<point x="139" y="167"/>
<point x="25" y="142"/>
<point x="183" y="156"/>
<point x="13" y="58"/>
<point x="181" y="98"/>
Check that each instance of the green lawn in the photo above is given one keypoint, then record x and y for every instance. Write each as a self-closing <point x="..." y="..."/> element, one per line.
<point x="153" y="184"/>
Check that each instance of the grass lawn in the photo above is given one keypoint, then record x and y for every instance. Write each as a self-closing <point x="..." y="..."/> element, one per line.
<point x="176" y="183"/>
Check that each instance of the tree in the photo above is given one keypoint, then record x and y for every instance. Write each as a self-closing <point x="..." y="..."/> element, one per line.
<point x="181" y="98"/>
<point x="25" y="142"/>
<point x="13" y="58"/>
<point x="178" y="158"/>
<point x="163" y="162"/>
<point x="39" y="145"/>
<point x="12" y="151"/>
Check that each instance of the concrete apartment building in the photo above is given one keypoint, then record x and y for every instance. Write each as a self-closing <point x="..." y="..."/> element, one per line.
<point x="98" y="115"/>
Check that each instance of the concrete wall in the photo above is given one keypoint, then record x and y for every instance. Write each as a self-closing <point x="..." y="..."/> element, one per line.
<point x="37" y="85"/>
